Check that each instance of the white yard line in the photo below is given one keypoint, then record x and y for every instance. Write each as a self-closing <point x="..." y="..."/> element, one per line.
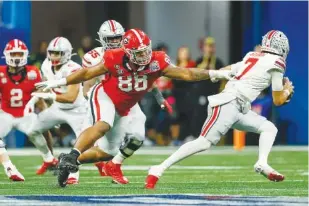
<point x="168" y="150"/>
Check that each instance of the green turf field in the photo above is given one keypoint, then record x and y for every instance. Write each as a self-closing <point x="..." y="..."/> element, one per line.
<point x="221" y="174"/>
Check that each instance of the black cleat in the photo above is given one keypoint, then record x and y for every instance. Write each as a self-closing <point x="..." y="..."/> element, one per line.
<point x="67" y="164"/>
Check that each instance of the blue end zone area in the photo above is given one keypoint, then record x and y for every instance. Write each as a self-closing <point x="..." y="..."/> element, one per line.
<point x="171" y="199"/>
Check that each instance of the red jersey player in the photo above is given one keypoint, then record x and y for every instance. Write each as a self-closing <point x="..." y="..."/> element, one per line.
<point x="17" y="82"/>
<point x="133" y="70"/>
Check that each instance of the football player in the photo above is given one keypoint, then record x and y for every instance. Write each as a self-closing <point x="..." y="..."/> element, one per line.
<point x="17" y="81"/>
<point x="231" y="107"/>
<point x="113" y="109"/>
<point x="68" y="101"/>
<point x="110" y="36"/>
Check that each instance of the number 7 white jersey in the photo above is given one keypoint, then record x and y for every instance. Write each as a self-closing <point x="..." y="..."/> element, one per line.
<point x="252" y="76"/>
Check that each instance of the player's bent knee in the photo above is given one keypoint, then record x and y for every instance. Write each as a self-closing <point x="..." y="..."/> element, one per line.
<point x="203" y="143"/>
<point x="130" y="144"/>
<point x="102" y="127"/>
<point x="268" y="126"/>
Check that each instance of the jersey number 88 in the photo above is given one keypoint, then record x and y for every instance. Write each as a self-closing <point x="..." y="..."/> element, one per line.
<point x="130" y="83"/>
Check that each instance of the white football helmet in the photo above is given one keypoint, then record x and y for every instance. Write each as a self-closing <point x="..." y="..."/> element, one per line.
<point x="62" y="45"/>
<point x="276" y="42"/>
<point x="110" y="34"/>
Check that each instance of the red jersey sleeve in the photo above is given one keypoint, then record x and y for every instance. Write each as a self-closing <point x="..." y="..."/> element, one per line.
<point x="108" y="59"/>
<point x="163" y="59"/>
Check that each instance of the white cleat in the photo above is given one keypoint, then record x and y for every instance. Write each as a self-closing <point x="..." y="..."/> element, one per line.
<point x="14" y="174"/>
<point x="268" y="172"/>
<point x="73" y="178"/>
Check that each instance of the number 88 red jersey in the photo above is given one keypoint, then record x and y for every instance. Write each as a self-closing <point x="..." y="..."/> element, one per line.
<point x="126" y="86"/>
<point x="16" y="90"/>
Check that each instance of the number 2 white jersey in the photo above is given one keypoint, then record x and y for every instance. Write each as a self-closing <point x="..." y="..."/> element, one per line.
<point x="252" y="76"/>
<point x="66" y="69"/>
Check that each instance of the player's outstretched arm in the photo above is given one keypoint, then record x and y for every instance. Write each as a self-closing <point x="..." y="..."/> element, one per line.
<point x="282" y="88"/>
<point x="194" y="74"/>
<point x="75" y="78"/>
<point x="86" y="74"/>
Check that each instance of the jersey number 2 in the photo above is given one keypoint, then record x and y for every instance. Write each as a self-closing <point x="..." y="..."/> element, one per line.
<point x="252" y="62"/>
<point x="16" y="98"/>
<point x="126" y="85"/>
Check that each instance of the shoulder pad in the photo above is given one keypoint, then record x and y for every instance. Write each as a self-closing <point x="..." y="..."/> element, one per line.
<point x="93" y="57"/>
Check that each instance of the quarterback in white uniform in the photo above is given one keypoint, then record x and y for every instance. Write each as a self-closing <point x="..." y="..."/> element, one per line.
<point x="69" y="102"/>
<point x="231" y="108"/>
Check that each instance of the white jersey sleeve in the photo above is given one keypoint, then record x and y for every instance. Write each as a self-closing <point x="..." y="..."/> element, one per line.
<point x="45" y="67"/>
<point x="93" y="58"/>
<point x="276" y="80"/>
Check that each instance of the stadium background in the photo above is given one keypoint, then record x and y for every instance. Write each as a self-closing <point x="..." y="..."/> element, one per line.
<point x="236" y="26"/>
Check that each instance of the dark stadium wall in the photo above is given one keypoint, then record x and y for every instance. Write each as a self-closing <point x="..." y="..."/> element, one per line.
<point x="292" y="19"/>
<point x="51" y="19"/>
<point x="184" y="23"/>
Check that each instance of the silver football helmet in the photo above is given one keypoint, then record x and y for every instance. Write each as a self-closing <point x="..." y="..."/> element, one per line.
<point x="276" y="42"/>
<point x="110" y="34"/>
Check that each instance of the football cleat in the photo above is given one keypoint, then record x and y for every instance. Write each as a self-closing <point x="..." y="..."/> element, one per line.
<point x="100" y="166"/>
<point x="114" y="170"/>
<point x="14" y="174"/>
<point x="268" y="172"/>
<point x="47" y="165"/>
<point x="67" y="164"/>
<point x="72" y="181"/>
<point x="151" y="182"/>
<point x="154" y="174"/>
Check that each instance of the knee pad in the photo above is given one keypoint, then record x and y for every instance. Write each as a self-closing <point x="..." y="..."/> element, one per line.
<point x="202" y="143"/>
<point x="268" y="126"/>
<point x="130" y="144"/>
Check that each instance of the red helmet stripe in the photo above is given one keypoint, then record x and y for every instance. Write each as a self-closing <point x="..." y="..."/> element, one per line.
<point x="138" y="36"/>
<point x="55" y="43"/>
<point x="271" y="33"/>
<point x="112" y="24"/>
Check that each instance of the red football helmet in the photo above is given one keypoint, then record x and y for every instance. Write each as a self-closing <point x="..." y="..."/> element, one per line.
<point x="137" y="45"/>
<point x="16" y="53"/>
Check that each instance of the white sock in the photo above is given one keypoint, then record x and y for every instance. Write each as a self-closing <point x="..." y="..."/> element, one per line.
<point x="40" y="143"/>
<point x="7" y="164"/>
<point x="118" y="159"/>
<point x="48" y="157"/>
<point x="267" y="138"/>
<point x="186" y="150"/>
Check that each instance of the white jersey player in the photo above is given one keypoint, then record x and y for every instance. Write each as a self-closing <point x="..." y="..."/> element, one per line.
<point x="69" y="102"/>
<point x="231" y="108"/>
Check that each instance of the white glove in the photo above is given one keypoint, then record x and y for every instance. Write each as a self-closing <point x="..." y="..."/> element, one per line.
<point x="48" y="96"/>
<point x="51" y="84"/>
<point x="220" y="74"/>
<point x="30" y="105"/>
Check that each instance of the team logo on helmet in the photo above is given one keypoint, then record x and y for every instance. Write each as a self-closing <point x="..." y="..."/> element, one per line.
<point x="125" y="40"/>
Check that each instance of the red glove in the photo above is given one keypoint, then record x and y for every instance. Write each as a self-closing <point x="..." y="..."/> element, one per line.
<point x="165" y="105"/>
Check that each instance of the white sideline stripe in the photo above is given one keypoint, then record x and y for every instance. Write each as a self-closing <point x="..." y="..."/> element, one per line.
<point x="167" y="150"/>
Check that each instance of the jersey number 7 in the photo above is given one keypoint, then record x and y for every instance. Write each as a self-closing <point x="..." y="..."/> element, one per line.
<point x="252" y="62"/>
